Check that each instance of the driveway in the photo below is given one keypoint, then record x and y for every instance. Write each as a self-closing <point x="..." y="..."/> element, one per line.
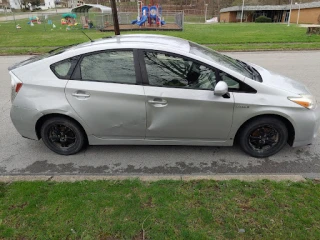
<point x="22" y="156"/>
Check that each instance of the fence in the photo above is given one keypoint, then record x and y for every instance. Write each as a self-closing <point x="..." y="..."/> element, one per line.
<point x="41" y="21"/>
<point x="125" y="18"/>
<point x="99" y="20"/>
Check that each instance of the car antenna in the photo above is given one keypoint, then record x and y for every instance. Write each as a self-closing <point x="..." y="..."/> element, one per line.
<point x="87" y="36"/>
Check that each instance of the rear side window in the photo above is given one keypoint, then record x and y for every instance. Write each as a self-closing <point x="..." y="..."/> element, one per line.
<point x="64" y="69"/>
<point x="109" y="66"/>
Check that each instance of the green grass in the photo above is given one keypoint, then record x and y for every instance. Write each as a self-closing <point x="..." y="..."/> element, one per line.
<point x="266" y="46"/>
<point x="237" y="37"/>
<point x="160" y="210"/>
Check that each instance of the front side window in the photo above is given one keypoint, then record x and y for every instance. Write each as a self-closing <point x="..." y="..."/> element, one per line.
<point x="235" y="85"/>
<point x="109" y="66"/>
<point x="165" y="70"/>
<point x="229" y="80"/>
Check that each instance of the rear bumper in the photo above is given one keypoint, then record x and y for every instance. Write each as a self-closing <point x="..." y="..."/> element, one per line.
<point x="308" y="128"/>
<point x="24" y="120"/>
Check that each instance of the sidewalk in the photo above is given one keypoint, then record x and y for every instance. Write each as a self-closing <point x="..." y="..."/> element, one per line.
<point x="152" y="178"/>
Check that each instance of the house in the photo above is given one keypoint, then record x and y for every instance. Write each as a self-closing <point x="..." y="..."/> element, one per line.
<point x="47" y="4"/>
<point x="308" y="13"/>
<point x="44" y="4"/>
<point x="4" y="4"/>
<point x="15" y="4"/>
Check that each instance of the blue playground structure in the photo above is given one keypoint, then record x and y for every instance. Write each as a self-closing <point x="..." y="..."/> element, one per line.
<point x="151" y="15"/>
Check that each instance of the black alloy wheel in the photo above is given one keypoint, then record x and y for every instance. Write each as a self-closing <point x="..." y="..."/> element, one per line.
<point x="62" y="135"/>
<point x="263" y="137"/>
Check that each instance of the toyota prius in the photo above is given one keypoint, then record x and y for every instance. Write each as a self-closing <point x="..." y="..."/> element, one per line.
<point x="157" y="90"/>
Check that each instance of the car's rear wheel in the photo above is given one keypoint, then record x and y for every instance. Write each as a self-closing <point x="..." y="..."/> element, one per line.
<point x="263" y="137"/>
<point x="62" y="136"/>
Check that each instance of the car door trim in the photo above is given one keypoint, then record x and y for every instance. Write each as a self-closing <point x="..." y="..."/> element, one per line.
<point x="143" y="68"/>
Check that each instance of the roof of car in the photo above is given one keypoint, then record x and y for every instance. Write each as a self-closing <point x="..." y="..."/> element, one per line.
<point x="141" y="39"/>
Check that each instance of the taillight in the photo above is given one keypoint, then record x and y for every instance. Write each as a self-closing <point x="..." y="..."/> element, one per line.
<point x="16" y="85"/>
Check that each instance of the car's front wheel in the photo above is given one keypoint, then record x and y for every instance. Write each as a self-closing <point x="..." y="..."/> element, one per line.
<point x="263" y="137"/>
<point x="62" y="136"/>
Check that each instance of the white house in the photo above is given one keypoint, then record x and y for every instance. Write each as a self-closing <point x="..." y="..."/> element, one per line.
<point x="49" y="4"/>
<point x="15" y="4"/>
<point x="46" y="5"/>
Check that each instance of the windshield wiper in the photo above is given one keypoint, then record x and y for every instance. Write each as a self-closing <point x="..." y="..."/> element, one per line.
<point x="255" y="73"/>
<point x="249" y="68"/>
<point x="246" y="66"/>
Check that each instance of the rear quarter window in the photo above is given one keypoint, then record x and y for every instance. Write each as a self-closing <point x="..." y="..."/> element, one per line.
<point x="64" y="69"/>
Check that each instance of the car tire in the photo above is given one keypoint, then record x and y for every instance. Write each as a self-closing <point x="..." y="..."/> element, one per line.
<point x="263" y="137"/>
<point x="63" y="136"/>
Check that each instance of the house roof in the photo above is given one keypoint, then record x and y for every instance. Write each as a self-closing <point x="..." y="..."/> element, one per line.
<point x="271" y="7"/>
<point x="85" y="8"/>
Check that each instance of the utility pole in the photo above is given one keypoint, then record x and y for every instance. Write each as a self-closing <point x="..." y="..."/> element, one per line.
<point x="242" y="10"/>
<point x="289" y="18"/>
<point x="115" y="17"/>
<point x="205" y="13"/>
<point x="298" y="13"/>
<point x="55" y="6"/>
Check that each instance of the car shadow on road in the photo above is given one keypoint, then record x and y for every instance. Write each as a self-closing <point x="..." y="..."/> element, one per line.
<point x="149" y="160"/>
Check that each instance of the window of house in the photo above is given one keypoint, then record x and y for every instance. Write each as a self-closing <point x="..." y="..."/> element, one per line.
<point x="239" y="15"/>
<point x="166" y="70"/>
<point x="109" y="66"/>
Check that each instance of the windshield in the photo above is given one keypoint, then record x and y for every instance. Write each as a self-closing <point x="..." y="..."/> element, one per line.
<point x="233" y="64"/>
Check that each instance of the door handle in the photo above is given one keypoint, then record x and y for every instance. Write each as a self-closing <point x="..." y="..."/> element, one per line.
<point x="158" y="101"/>
<point x="80" y="95"/>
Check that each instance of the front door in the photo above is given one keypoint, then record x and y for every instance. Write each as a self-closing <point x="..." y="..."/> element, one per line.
<point x="106" y="96"/>
<point x="180" y="103"/>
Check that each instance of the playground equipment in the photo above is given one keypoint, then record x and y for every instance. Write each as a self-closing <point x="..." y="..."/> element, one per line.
<point x="151" y="14"/>
<point x="33" y="20"/>
<point x="69" y="19"/>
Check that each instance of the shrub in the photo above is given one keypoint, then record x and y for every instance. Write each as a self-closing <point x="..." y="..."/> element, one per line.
<point x="263" y="19"/>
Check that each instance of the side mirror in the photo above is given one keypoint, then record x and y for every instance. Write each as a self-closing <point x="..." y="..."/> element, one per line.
<point x="221" y="89"/>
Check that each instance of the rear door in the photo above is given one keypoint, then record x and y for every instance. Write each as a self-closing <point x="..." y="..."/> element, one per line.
<point x="106" y="94"/>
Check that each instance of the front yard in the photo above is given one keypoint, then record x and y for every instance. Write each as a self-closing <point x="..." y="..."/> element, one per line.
<point x="235" y="37"/>
<point x="133" y="209"/>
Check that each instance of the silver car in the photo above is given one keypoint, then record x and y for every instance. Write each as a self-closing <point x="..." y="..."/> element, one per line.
<point x="157" y="90"/>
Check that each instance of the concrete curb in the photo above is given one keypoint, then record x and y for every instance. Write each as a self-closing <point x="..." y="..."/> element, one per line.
<point x="75" y="178"/>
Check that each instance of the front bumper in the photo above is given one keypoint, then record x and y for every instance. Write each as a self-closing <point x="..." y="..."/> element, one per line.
<point x="307" y="130"/>
<point x="24" y="120"/>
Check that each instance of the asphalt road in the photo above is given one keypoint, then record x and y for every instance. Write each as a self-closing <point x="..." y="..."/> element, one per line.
<point x="22" y="156"/>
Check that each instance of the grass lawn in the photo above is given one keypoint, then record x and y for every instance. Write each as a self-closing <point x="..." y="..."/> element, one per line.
<point x="160" y="210"/>
<point x="249" y="36"/>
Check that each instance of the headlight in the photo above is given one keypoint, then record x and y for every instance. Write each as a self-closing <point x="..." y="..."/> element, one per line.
<point x="307" y="101"/>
